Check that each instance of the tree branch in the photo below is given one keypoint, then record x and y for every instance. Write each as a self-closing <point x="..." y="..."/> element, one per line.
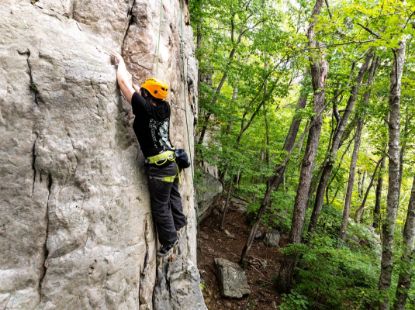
<point x="328" y="8"/>
<point x="369" y="30"/>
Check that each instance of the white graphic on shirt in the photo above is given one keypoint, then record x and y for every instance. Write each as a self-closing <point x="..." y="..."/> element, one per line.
<point x="160" y="133"/>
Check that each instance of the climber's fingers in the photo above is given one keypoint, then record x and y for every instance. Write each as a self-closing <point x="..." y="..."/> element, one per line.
<point x="136" y="88"/>
<point x="116" y="58"/>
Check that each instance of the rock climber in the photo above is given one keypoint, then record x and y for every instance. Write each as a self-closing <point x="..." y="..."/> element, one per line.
<point x="151" y="126"/>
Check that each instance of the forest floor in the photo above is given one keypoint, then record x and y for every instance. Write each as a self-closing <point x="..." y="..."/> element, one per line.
<point x="263" y="262"/>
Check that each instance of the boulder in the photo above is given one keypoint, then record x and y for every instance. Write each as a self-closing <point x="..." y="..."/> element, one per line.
<point x="232" y="279"/>
<point x="272" y="238"/>
<point x="239" y="203"/>
<point x="207" y="189"/>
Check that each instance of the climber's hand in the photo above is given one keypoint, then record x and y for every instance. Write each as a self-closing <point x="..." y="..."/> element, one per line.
<point x="136" y="88"/>
<point x="116" y="58"/>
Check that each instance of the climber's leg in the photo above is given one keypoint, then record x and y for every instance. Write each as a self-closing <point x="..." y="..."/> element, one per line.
<point x="160" y="208"/>
<point x="176" y="206"/>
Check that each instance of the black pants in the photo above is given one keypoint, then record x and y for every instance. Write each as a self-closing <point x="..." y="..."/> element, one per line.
<point x="166" y="203"/>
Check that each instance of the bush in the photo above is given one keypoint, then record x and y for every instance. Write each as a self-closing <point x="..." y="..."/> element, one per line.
<point x="334" y="277"/>
<point x="294" y="301"/>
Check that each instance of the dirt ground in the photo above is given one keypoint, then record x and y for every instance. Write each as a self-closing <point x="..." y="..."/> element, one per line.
<point x="263" y="263"/>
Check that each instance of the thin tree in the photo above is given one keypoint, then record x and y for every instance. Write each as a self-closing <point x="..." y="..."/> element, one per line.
<point x="335" y="145"/>
<point x="236" y="39"/>
<point x="359" y="212"/>
<point x="319" y="70"/>
<point x="352" y="170"/>
<point x="378" y="199"/>
<point x="350" y="182"/>
<point x="245" y="124"/>
<point x="275" y="181"/>
<point x="407" y="259"/>
<point x="388" y="227"/>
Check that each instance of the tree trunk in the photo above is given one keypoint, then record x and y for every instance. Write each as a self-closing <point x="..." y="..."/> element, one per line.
<point x="319" y="70"/>
<point x="404" y="143"/>
<point x="267" y="139"/>
<point x="393" y="191"/>
<point x="378" y="200"/>
<point x="225" y="208"/>
<point x="359" y="129"/>
<point x="359" y="211"/>
<point x="337" y="170"/>
<point x="228" y="129"/>
<point x="350" y="182"/>
<point x="361" y="183"/>
<point x="338" y="135"/>
<point x="407" y="259"/>
<point x="274" y="182"/>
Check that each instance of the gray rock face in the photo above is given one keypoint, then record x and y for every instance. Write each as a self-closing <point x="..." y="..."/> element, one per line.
<point x="232" y="278"/>
<point x="75" y="223"/>
<point x="272" y="239"/>
<point x="177" y="286"/>
<point x="207" y="189"/>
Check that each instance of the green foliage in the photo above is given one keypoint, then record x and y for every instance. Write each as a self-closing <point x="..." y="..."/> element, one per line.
<point x="330" y="221"/>
<point x="362" y="237"/>
<point x="254" y="65"/>
<point x="294" y="301"/>
<point x="279" y="217"/>
<point x="33" y="88"/>
<point x="335" y="277"/>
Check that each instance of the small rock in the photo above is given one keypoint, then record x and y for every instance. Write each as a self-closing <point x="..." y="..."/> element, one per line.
<point x="230" y="235"/>
<point x="272" y="239"/>
<point x="259" y="235"/>
<point x="232" y="278"/>
<point x="258" y="263"/>
<point x="203" y="236"/>
<point x="216" y="212"/>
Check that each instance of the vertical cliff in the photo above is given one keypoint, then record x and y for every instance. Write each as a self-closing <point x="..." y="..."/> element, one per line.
<point x="75" y="223"/>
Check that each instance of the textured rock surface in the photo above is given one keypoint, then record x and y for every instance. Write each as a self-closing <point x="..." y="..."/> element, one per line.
<point x="272" y="238"/>
<point x="177" y="285"/>
<point x="232" y="279"/>
<point x="207" y="189"/>
<point x="75" y="224"/>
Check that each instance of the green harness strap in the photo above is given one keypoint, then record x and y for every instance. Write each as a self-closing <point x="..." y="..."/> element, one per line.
<point x="162" y="158"/>
<point x="168" y="179"/>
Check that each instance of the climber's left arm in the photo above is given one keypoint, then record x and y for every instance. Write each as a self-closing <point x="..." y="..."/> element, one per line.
<point x="124" y="78"/>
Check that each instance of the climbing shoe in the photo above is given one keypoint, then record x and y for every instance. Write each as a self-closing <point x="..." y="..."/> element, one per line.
<point x="167" y="249"/>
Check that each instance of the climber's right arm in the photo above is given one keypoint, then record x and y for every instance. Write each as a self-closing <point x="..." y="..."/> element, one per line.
<point x="124" y="78"/>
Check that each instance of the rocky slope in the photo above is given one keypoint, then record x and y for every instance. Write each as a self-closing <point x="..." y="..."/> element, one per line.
<point x="75" y="224"/>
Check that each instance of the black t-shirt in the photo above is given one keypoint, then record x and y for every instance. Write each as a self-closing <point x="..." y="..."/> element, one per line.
<point x="151" y="125"/>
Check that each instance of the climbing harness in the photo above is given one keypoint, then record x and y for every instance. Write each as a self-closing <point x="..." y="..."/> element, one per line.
<point x="170" y="157"/>
<point x="161" y="159"/>
<point x="168" y="179"/>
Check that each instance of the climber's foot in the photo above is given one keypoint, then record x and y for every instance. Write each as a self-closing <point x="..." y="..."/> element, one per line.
<point x="167" y="249"/>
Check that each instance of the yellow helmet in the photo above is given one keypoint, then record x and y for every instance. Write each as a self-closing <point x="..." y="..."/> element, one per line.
<point x="158" y="89"/>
